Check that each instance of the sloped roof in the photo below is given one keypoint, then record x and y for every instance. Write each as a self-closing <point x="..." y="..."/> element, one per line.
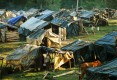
<point x="76" y="45"/>
<point x="87" y="14"/>
<point x="34" y="23"/>
<point x="47" y="12"/>
<point x="59" y="22"/>
<point x="37" y="34"/>
<point x="14" y="20"/>
<point x="109" y="68"/>
<point x="44" y="16"/>
<point x="37" y="37"/>
<point x="108" y="39"/>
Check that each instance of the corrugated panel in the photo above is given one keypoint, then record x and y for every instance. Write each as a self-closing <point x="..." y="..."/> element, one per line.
<point x="59" y="22"/>
<point x="43" y="16"/>
<point x="36" y="34"/>
<point x="33" y="23"/>
<point x="76" y="45"/>
<point x="108" y="39"/>
<point x="87" y="14"/>
<point x="109" y="68"/>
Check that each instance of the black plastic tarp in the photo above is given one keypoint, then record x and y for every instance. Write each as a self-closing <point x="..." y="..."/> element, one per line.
<point x="46" y="17"/>
<point x="105" y="47"/>
<point x="59" y="22"/>
<point x="71" y="28"/>
<point x="108" y="69"/>
<point x="83" y="51"/>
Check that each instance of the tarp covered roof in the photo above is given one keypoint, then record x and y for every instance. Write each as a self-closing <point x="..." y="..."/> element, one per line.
<point x="33" y="23"/>
<point x="37" y="37"/>
<point x="45" y="17"/>
<point x="59" y="22"/>
<point x="26" y="54"/>
<point x="106" y="47"/>
<point x="13" y="21"/>
<point x="76" y="45"/>
<point x="87" y="14"/>
<point x="108" y="39"/>
<point x="47" y="12"/>
<point x="109" y="68"/>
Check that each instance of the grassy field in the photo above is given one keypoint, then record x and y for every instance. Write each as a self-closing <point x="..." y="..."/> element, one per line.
<point x="9" y="47"/>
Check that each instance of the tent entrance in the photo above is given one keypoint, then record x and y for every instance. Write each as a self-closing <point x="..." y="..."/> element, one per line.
<point x="55" y="29"/>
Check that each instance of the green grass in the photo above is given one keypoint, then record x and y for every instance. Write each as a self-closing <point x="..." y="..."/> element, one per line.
<point x="9" y="47"/>
<point x="98" y="34"/>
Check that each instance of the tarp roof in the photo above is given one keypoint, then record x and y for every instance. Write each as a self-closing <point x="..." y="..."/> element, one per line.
<point x="37" y="37"/>
<point x="109" y="68"/>
<point x="21" y="51"/>
<point x="62" y="13"/>
<point x="37" y="34"/>
<point x="2" y="26"/>
<point x="45" y="17"/>
<point x="87" y="14"/>
<point x="13" y="21"/>
<point x="34" y="23"/>
<point x="76" y="45"/>
<point x="108" y="39"/>
<point x="2" y="12"/>
<point x="47" y="12"/>
<point x="59" y="22"/>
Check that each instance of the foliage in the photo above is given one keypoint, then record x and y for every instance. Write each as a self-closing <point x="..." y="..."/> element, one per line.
<point x="57" y="4"/>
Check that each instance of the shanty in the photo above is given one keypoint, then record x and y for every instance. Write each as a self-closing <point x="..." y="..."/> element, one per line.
<point x="58" y="40"/>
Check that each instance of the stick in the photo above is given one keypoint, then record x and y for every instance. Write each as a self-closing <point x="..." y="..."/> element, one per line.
<point x="70" y="72"/>
<point x="45" y="75"/>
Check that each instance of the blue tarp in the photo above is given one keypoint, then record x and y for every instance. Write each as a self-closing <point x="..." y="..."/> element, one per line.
<point x="13" y="21"/>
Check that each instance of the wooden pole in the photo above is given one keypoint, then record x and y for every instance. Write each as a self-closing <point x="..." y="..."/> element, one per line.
<point x="77" y="5"/>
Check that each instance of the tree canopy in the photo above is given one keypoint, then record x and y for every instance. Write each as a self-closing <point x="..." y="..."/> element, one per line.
<point x="57" y="4"/>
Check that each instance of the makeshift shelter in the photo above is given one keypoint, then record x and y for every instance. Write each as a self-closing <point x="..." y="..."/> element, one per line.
<point x="46" y="12"/>
<point x="87" y="14"/>
<point x="64" y="28"/>
<point x="45" y="17"/>
<point x="45" y="38"/>
<point x="105" y="48"/>
<point x="3" y="29"/>
<point x="63" y="13"/>
<point x="82" y="51"/>
<point x="61" y="58"/>
<point x="29" y="13"/>
<point x="107" y="71"/>
<point x="6" y="15"/>
<point x="8" y="32"/>
<point x="17" y="19"/>
<point x="31" y="26"/>
<point x="27" y="55"/>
